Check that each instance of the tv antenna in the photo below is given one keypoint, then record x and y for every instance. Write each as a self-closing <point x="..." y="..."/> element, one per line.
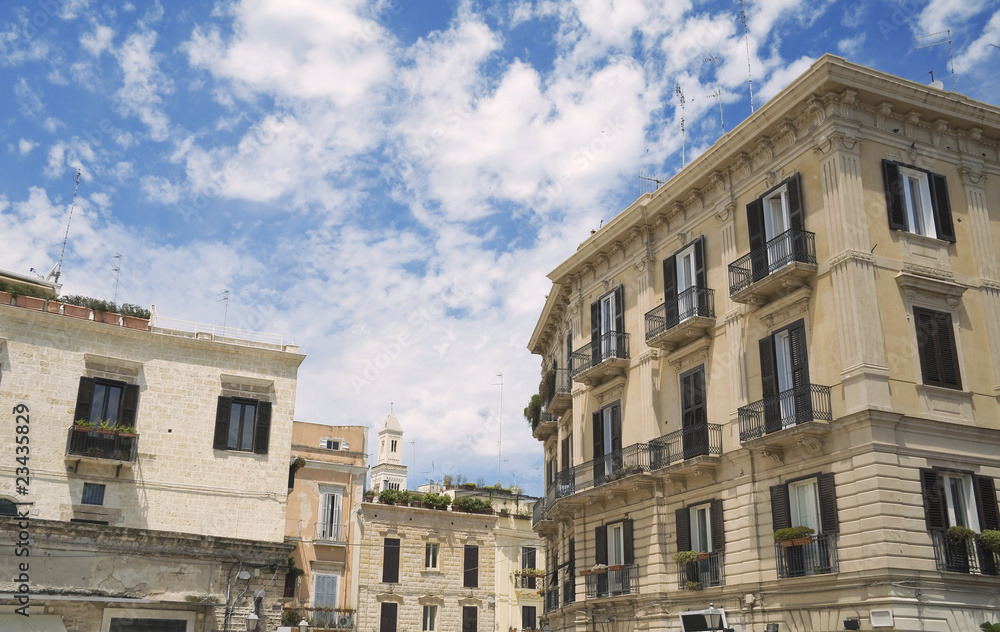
<point x="118" y="271"/>
<point x="951" y="55"/>
<point x="680" y="96"/>
<point x="500" y="436"/>
<point x="718" y="85"/>
<point x="225" y="299"/>
<point x="413" y="453"/>
<point x="645" y="177"/>
<point x="56" y="270"/>
<point x="746" y="37"/>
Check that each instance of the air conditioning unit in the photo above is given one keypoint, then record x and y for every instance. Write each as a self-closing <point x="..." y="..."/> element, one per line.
<point x="344" y="621"/>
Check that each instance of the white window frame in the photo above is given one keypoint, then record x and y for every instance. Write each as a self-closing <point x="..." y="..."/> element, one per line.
<point x="803" y="500"/>
<point x="960" y="504"/>
<point x="919" y="208"/>
<point x="701" y="528"/>
<point x="331" y="508"/>
<point x="429" y="618"/>
<point x="432" y="551"/>
<point x="687" y="278"/>
<point x="609" y="313"/>
<point x="781" y="196"/>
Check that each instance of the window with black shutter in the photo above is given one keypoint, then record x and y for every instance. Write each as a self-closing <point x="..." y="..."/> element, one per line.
<point x="810" y="501"/>
<point x="784" y="376"/>
<point x="529" y="618"/>
<point x="470" y="619"/>
<point x="700" y="527"/>
<point x="387" y="618"/>
<point x="528" y="561"/>
<point x="694" y="414"/>
<point x="607" y="327"/>
<point x="773" y="216"/>
<point x="954" y="498"/>
<point x="683" y="276"/>
<point x="936" y="348"/>
<point x="470" y="577"/>
<point x="390" y="561"/>
<point x="242" y="424"/>
<point x="108" y="403"/>
<point x="917" y="201"/>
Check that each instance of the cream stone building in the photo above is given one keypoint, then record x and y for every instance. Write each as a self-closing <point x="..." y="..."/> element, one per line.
<point x="799" y="329"/>
<point x="154" y="474"/>
<point x="321" y="521"/>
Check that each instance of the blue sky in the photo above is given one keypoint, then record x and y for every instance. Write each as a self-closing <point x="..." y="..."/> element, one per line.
<point x="387" y="183"/>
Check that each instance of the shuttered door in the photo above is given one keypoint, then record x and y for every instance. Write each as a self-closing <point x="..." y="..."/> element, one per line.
<point x="758" y="239"/>
<point x="781" y="514"/>
<point x="262" y="433"/>
<point x="683" y="528"/>
<point x="800" y="372"/>
<point x="387" y="621"/>
<point x="718" y="526"/>
<point x="628" y="543"/>
<point x="986" y="498"/>
<point x="598" y="427"/>
<point x="829" y="521"/>
<point x="942" y="207"/>
<point x="670" y="292"/>
<point x="700" y="280"/>
<point x="930" y="487"/>
<point x="471" y="566"/>
<point x="769" y="386"/>
<point x="601" y="545"/>
<point x="470" y="619"/>
<point x="893" y="195"/>
<point x="595" y="333"/>
<point x="390" y="561"/>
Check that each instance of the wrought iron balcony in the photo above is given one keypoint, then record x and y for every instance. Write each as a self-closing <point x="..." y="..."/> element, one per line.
<point x="679" y="319"/>
<point x="622" y="579"/>
<point x="788" y="259"/>
<point x="569" y="590"/>
<point x="600" y="358"/>
<point x="969" y="556"/>
<point x="817" y="557"/>
<point x="686" y="443"/>
<point x="562" y="396"/>
<point x="810" y="402"/>
<point x="102" y="444"/>
<point x="702" y="573"/>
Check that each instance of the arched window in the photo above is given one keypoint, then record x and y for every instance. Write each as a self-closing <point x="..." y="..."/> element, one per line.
<point x="7" y="507"/>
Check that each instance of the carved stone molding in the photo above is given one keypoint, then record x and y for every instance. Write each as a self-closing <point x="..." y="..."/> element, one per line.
<point x="786" y="308"/>
<point x="851" y="255"/>
<point x="744" y="165"/>
<point x="787" y="128"/>
<point x="648" y="355"/>
<point x="690" y="355"/>
<point x="770" y="178"/>
<point x="732" y="315"/>
<point x="990" y="284"/>
<point x="765" y="148"/>
<point x="928" y="271"/>
<point x="697" y="195"/>
<point x="932" y="291"/>
<point x="717" y="181"/>
<point x="847" y="100"/>
<point x="642" y="265"/>
<point x="939" y="129"/>
<point x="882" y="113"/>
<point x="973" y="177"/>
<point x="910" y="123"/>
<point x="816" y="109"/>
<point x="602" y="260"/>
<point x="728" y="211"/>
<point x="973" y="137"/>
<point x="774" y="455"/>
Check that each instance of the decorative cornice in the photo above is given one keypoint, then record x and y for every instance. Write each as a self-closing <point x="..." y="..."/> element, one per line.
<point x="690" y="355"/>
<point x="882" y="113"/>
<point x="972" y="177"/>
<point x="938" y="131"/>
<point x="766" y="148"/>
<point x="928" y="271"/>
<point x="849" y="255"/>
<point x="910" y="123"/>
<point x="743" y="164"/>
<point x="786" y="308"/>
<point x="940" y="291"/>
<point x="728" y="211"/>
<point x="787" y="127"/>
<point x="990" y="284"/>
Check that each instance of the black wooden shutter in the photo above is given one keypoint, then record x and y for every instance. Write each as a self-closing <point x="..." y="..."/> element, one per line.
<point x="470" y="619"/>
<point x="564" y="454"/>
<point x="936" y="348"/>
<point x="781" y="513"/>
<point x="471" y="567"/>
<point x="569" y="353"/>
<point x="595" y="333"/>
<point x="699" y="411"/>
<point x="598" y="435"/>
<point x="620" y="318"/>
<point x="758" y="239"/>
<point x="262" y="432"/>
<point x="616" y="429"/>
<point x="718" y="526"/>
<point x="800" y="371"/>
<point x="571" y="562"/>
<point x="387" y="621"/>
<point x="628" y="541"/>
<point x="795" y="213"/>
<point x="948" y="352"/>
<point x="683" y="528"/>
<point x="700" y="280"/>
<point x="390" y="561"/>
<point x="829" y="522"/>
<point x="601" y="545"/>
<point x="670" y="291"/>
<point x="986" y="499"/>
<point x="942" y="207"/>
<point x="768" y="379"/>
<point x="930" y="486"/>
<point x="687" y="399"/>
<point x="893" y="195"/>
<point x="222" y="413"/>
<point x="130" y="402"/>
<point x="84" y="398"/>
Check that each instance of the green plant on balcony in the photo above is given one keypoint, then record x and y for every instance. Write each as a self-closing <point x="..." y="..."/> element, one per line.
<point x="547" y="387"/>
<point x="126" y="429"/>
<point x="958" y="534"/>
<point x="84" y="423"/>
<point x="299" y="463"/>
<point x="533" y="411"/>
<point x="692" y="585"/>
<point x="793" y="533"/>
<point x="683" y="558"/>
<point x="531" y="572"/>
<point x="435" y="501"/>
<point x="469" y="504"/>
<point x="989" y="627"/>
<point x="990" y="539"/>
<point x="294" y="570"/>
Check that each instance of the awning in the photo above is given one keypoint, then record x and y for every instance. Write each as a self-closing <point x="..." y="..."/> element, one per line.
<point x="31" y="623"/>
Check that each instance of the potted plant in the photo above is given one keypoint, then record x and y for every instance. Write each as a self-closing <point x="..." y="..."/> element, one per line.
<point x="126" y="431"/>
<point x="370" y="495"/>
<point x="135" y="317"/>
<point x="990" y="539"/>
<point x="683" y="558"/>
<point x="546" y="388"/>
<point x="435" y="501"/>
<point x="794" y="536"/>
<point x="104" y="426"/>
<point x="533" y="411"/>
<point x="599" y="569"/>
<point x="692" y="585"/>
<point x="616" y="567"/>
<point x="960" y="534"/>
<point x="83" y="425"/>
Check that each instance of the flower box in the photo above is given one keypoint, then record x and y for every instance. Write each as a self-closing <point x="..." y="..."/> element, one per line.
<point x="703" y="556"/>
<point x="133" y="322"/>
<point x="796" y="541"/>
<point x="5" y="298"/>
<point x="110" y="318"/>
<point x="585" y="573"/>
<point x="30" y="302"/>
<point x="53" y="307"/>
<point x="75" y="311"/>
<point x="616" y="567"/>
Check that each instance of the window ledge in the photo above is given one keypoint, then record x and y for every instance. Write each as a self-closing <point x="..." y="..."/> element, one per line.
<point x="929" y="286"/>
<point x="924" y="250"/>
<point x="945" y="404"/>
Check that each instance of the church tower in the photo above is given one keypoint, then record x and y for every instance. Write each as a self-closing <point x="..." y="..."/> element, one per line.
<point x="389" y="473"/>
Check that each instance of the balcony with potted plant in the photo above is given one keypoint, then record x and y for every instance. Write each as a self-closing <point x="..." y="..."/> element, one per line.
<point x="800" y="551"/>
<point x="102" y="440"/>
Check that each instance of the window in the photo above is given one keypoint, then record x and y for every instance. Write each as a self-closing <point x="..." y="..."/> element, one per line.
<point x="470" y="619"/>
<point x="393" y="445"/>
<point x="700" y="528"/>
<point x="607" y="327"/>
<point x="806" y="502"/>
<point x="330" y="444"/>
<point x="93" y="494"/>
<point x="7" y="507"/>
<point x="430" y="618"/>
<point x="566" y="454"/>
<point x="387" y="620"/>
<point x="960" y="499"/>
<point x="100" y="400"/>
<point x="917" y="201"/>
<point x="607" y="428"/>
<point x="529" y="618"/>
<point x="569" y="352"/>
<point x="242" y="424"/>
<point x="390" y="561"/>
<point x="784" y="374"/>
<point x="936" y="348"/>
<point x="325" y="594"/>
<point x="431" y="555"/>
<point x="119" y="624"/>
<point x="330" y="516"/>
<point x="776" y="228"/>
<point x="694" y="414"/>
<point x="470" y="578"/>
<point x="613" y="546"/>
<point x="528" y="554"/>
<point x="683" y="276"/>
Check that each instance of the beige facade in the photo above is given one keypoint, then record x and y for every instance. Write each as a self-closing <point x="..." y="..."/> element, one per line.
<point x="163" y="509"/>
<point x="801" y="328"/>
<point x="322" y="521"/>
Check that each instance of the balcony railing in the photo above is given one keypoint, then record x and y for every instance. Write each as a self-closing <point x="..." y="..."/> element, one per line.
<point x="328" y="532"/>
<point x="969" y="556"/>
<point x="612" y="345"/>
<point x="564" y="382"/>
<point x="694" y="301"/>
<point x="818" y="557"/>
<point x="99" y="444"/>
<point x="551" y="597"/>
<point x="638" y="458"/>
<point x="622" y="579"/>
<point x="706" y="572"/>
<point x="810" y="402"/>
<point x="569" y="590"/>
<point x="792" y="245"/>
<point x="528" y="582"/>
<point x="331" y="619"/>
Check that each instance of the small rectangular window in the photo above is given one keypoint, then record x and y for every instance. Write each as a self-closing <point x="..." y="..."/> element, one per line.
<point x="430" y="619"/>
<point x="242" y="424"/>
<point x="917" y="201"/>
<point x="936" y="348"/>
<point x="93" y="494"/>
<point x="471" y="575"/>
<point x="390" y="561"/>
<point x="431" y="555"/>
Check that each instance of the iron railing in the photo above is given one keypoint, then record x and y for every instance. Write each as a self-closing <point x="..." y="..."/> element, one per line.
<point x="328" y="532"/>
<point x="694" y="301"/>
<point x="564" y="382"/>
<point x="706" y="572"/>
<point x="968" y="556"/>
<point x="611" y="345"/>
<point x="792" y="245"/>
<point x="816" y="557"/>
<point x="809" y="402"/>
<point x="100" y="444"/>
<point x="638" y="458"/>
<point x="551" y="598"/>
<point x="622" y="579"/>
<point x="528" y="582"/>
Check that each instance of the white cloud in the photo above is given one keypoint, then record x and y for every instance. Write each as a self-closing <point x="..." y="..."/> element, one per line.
<point x="143" y="84"/>
<point x="940" y="15"/>
<point x="24" y="146"/>
<point x="851" y="46"/>
<point x="161" y="190"/>
<point x="97" y="42"/>
<point x="784" y="76"/>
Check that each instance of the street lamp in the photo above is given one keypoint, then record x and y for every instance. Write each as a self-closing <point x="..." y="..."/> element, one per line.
<point x="252" y="620"/>
<point x="713" y="617"/>
<point x="303" y="626"/>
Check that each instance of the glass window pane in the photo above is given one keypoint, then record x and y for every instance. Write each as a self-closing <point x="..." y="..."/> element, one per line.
<point x="234" y="426"/>
<point x="114" y="399"/>
<point x="249" y="414"/>
<point x="97" y="405"/>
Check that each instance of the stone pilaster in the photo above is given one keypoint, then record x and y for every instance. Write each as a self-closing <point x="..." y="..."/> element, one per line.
<point x="974" y="183"/>
<point x="735" y="324"/>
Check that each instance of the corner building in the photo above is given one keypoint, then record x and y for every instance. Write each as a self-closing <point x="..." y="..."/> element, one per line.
<point x="800" y="328"/>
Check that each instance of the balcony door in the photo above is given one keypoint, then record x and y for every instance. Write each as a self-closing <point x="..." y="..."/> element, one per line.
<point x="616" y="557"/>
<point x="686" y="275"/>
<point x="772" y="215"/>
<point x="607" y="427"/>
<point x="694" y="417"/>
<point x="784" y="374"/>
<point x="607" y="318"/>
<point x="609" y="308"/>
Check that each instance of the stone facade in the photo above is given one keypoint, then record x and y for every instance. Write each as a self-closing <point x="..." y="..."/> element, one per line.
<point x="834" y="366"/>
<point x="167" y="479"/>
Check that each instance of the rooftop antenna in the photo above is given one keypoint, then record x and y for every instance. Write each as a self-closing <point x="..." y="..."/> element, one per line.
<point x="951" y="56"/>
<point x="56" y="270"/>
<point x="680" y="95"/>
<point x="413" y="452"/>
<point x="225" y="315"/>
<point x="746" y="37"/>
<point x="118" y="271"/>
<point x="718" y="92"/>
<point x="648" y="178"/>
<point x="500" y="437"/>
